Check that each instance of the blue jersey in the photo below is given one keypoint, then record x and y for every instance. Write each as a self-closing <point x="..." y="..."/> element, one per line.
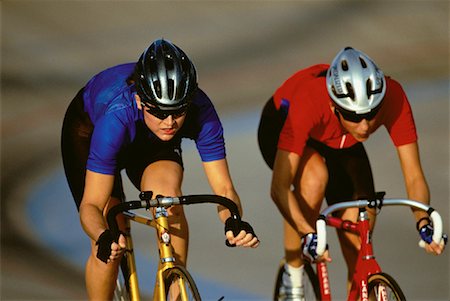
<point x="111" y="106"/>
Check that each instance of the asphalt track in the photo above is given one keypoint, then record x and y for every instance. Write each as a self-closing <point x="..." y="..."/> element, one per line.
<point x="242" y="50"/>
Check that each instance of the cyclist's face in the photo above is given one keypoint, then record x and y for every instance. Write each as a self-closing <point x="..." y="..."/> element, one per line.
<point x="165" y="129"/>
<point x="360" y="130"/>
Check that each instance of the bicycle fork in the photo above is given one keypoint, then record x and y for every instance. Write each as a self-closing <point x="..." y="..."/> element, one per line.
<point x="324" y="282"/>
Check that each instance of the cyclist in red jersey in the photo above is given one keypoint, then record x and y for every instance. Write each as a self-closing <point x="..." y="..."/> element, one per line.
<point x="311" y="133"/>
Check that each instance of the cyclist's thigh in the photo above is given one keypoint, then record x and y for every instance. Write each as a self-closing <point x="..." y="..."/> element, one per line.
<point x="75" y="145"/>
<point x="145" y="162"/>
<point x="350" y="174"/>
<point x="310" y="182"/>
<point x="163" y="177"/>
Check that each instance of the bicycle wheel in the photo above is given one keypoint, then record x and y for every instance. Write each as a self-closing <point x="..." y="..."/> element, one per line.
<point x="179" y="285"/>
<point x="311" y="288"/>
<point x="121" y="292"/>
<point x="383" y="287"/>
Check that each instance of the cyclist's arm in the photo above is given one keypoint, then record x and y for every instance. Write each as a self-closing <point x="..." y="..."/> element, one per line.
<point x="284" y="171"/>
<point x="96" y="195"/>
<point x="220" y="181"/>
<point x="416" y="185"/>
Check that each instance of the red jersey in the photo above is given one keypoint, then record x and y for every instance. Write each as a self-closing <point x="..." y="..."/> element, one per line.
<point x="310" y="115"/>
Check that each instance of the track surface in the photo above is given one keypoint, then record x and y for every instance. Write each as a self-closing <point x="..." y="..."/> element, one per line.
<point x="243" y="51"/>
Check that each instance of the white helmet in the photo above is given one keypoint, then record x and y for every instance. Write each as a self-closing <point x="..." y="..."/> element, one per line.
<point x="354" y="82"/>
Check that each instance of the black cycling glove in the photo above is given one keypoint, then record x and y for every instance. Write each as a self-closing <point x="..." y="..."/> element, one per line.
<point x="104" y="245"/>
<point x="232" y="225"/>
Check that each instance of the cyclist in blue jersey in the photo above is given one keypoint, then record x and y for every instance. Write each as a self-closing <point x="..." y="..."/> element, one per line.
<point x="133" y="117"/>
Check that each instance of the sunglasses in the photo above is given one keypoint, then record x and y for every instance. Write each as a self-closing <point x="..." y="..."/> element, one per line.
<point x="163" y="114"/>
<point x="353" y="117"/>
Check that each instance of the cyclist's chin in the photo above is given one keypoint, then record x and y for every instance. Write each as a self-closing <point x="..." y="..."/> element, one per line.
<point x="165" y="136"/>
<point x="361" y="138"/>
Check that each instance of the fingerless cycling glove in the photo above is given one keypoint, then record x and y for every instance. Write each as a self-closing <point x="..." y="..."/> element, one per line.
<point x="104" y="245"/>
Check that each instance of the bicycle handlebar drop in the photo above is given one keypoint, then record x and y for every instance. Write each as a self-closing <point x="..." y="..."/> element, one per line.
<point x="146" y="202"/>
<point x="377" y="203"/>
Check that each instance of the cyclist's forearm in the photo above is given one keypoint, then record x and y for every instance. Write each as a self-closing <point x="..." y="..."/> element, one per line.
<point x="92" y="221"/>
<point x="417" y="189"/>
<point x="223" y="212"/>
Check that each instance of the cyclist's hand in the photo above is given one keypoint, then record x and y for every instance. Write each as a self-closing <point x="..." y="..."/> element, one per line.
<point x="426" y="233"/>
<point x="108" y="250"/>
<point x="309" y="246"/>
<point x="245" y="237"/>
<point x="117" y="248"/>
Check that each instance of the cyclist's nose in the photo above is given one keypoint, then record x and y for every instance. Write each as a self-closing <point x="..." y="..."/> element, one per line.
<point x="169" y="120"/>
<point x="364" y="125"/>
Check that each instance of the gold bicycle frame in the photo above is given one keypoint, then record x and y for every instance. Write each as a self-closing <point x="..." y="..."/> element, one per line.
<point x="166" y="255"/>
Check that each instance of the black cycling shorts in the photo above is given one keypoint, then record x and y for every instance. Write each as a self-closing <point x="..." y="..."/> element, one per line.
<point x="75" y="144"/>
<point x="349" y="172"/>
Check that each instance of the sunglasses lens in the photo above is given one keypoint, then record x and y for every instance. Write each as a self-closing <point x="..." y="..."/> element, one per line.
<point x="162" y="114"/>
<point x="353" y="117"/>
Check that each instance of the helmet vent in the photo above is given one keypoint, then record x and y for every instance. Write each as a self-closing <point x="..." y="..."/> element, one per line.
<point x="368" y="87"/>
<point x="350" y="92"/>
<point x="344" y="65"/>
<point x="363" y="63"/>
<point x="157" y="86"/>
<point x="171" y="88"/>
<point x="168" y="62"/>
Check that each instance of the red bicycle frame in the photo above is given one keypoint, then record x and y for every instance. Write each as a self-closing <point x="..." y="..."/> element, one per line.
<point x="366" y="264"/>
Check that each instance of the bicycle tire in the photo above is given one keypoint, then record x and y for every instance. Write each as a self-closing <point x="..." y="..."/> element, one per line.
<point x="173" y="276"/>
<point x="122" y="290"/>
<point x="384" y="283"/>
<point x="310" y="283"/>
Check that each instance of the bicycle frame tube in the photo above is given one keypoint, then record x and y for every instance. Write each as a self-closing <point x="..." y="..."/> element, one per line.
<point x="132" y="278"/>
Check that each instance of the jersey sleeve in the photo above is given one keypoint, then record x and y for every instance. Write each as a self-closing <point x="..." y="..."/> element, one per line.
<point x="210" y="141"/>
<point x="109" y="136"/>
<point x="400" y="121"/>
<point x="295" y="132"/>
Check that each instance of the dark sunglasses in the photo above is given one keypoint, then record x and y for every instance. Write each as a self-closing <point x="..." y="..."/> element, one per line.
<point x="163" y="114"/>
<point x="353" y="117"/>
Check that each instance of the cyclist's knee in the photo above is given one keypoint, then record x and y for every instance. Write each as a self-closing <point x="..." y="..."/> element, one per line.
<point x="176" y="211"/>
<point x="312" y="177"/>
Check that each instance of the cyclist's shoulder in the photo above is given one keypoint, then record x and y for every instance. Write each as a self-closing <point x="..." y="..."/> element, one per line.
<point x="201" y="98"/>
<point x="393" y="83"/>
<point x="310" y="73"/>
<point x="395" y="93"/>
<point x="307" y="80"/>
<point x="124" y="68"/>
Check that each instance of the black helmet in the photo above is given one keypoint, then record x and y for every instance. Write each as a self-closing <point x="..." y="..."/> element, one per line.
<point x="165" y="77"/>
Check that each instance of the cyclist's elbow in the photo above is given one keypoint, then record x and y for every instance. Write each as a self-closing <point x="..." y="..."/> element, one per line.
<point x="276" y="193"/>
